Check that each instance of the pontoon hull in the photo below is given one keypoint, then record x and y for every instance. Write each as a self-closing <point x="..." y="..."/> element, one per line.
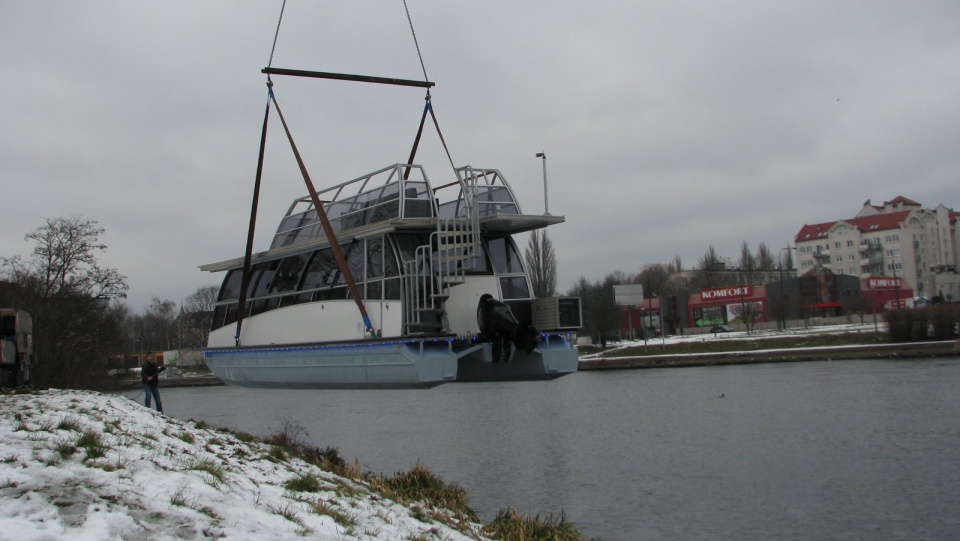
<point x="416" y="364"/>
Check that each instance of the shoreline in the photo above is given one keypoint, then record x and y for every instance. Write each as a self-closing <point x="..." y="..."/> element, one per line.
<point x="683" y="360"/>
<point x="837" y="353"/>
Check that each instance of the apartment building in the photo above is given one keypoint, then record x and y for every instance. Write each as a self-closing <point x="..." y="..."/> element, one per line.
<point x="899" y="240"/>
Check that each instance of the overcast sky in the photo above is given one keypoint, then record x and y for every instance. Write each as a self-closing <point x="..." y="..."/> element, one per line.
<point x="668" y="126"/>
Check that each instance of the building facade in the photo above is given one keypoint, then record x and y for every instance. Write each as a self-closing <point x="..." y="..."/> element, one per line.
<point x="899" y="239"/>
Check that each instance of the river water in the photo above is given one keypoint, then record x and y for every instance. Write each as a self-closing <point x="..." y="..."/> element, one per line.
<point x="816" y="450"/>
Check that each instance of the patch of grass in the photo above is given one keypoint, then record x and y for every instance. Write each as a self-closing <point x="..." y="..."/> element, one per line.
<point x="288" y="512"/>
<point x="324" y="508"/>
<point x="346" y="490"/>
<point x="217" y="472"/>
<point x="65" y="449"/>
<point x="291" y="438"/>
<point x="92" y="445"/>
<point x="276" y="454"/>
<point x="245" y="437"/>
<point x="419" y="513"/>
<point x="119" y="464"/>
<point x="187" y="437"/>
<point x="303" y="483"/>
<point x="182" y="498"/>
<point x="509" y="525"/>
<point x="421" y="485"/>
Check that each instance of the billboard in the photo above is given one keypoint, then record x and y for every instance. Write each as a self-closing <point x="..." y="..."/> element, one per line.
<point x="628" y="294"/>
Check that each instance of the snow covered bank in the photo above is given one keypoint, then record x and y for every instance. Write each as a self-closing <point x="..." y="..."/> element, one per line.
<point x="78" y="465"/>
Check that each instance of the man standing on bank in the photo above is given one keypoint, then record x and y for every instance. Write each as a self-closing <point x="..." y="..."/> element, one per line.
<point x="149" y="376"/>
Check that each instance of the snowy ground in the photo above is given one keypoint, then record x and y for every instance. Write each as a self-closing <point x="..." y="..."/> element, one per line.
<point x="79" y="466"/>
<point x="612" y="347"/>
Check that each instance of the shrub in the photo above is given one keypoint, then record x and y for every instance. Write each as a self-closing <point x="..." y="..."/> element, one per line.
<point x="420" y="484"/>
<point x="509" y="525"/>
<point x="943" y="319"/>
<point x="303" y="483"/>
<point x="899" y="325"/>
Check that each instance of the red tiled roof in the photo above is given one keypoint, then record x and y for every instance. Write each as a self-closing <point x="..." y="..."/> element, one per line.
<point x="904" y="200"/>
<point x="866" y="224"/>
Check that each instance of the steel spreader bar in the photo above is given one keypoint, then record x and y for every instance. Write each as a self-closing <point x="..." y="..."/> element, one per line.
<point x="347" y="77"/>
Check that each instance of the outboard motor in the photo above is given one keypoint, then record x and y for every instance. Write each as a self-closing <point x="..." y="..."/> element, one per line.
<point x="499" y="325"/>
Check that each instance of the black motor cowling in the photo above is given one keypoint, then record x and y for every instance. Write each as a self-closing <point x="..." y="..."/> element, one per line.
<point x="499" y="326"/>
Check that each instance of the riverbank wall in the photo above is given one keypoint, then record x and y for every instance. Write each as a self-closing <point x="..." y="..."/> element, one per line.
<point x="868" y="351"/>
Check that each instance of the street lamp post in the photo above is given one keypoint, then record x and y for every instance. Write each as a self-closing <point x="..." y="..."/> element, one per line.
<point x="782" y="308"/>
<point x="546" y="208"/>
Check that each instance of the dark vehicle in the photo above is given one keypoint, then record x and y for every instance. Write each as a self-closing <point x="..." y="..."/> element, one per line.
<point x="720" y="328"/>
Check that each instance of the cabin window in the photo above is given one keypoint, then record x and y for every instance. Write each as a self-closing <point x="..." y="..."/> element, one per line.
<point x="375" y="290"/>
<point x="264" y="305"/>
<point x="288" y="273"/>
<point x="493" y="200"/>
<point x="355" y="261"/>
<point x="261" y="276"/>
<point x="218" y="316"/>
<point x="295" y="227"/>
<point x="290" y="300"/>
<point x="514" y="287"/>
<point x="321" y="270"/>
<point x="391" y="289"/>
<point x="503" y="256"/>
<point x="388" y="206"/>
<point x="230" y="290"/>
<point x="231" y="314"/>
<point x="416" y="200"/>
<point x="374" y="258"/>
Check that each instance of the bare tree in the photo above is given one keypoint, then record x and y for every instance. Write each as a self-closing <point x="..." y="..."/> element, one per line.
<point x="76" y="326"/>
<point x="159" y="331"/>
<point x="64" y="262"/>
<point x="765" y="260"/>
<point x="654" y="279"/>
<point x="675" y="265"/>
<point x="197" y="315"/>
<point x="750" y="313"/>
<point x="541" y="265"/>
<point x="601" y="315"/>
<point x="710" y="270"/>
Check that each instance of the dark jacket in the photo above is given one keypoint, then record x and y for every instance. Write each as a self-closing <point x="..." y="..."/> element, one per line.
<point x="150" y="369"/>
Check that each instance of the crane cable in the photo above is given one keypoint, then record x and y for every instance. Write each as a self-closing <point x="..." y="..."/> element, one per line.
<point x="277" y="34"/>
<point x="427" y="108"/>
<point x="415" y="42"/>
<point x="248" y="253"/>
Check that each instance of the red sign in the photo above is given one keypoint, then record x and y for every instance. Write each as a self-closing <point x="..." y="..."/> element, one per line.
<point x="884" y="283"/>
<point x="733" y="292"/>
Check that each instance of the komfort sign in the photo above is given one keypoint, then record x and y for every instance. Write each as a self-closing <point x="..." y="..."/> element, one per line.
<point x="884" y="283"/>
<point x="723" y="293"/>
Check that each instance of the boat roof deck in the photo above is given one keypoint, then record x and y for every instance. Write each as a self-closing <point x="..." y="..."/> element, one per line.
<point x="385" y="202"/>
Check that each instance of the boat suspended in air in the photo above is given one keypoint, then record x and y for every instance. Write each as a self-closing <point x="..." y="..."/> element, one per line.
<point x="442" y="282"/>
<point x="390" y="281"/>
